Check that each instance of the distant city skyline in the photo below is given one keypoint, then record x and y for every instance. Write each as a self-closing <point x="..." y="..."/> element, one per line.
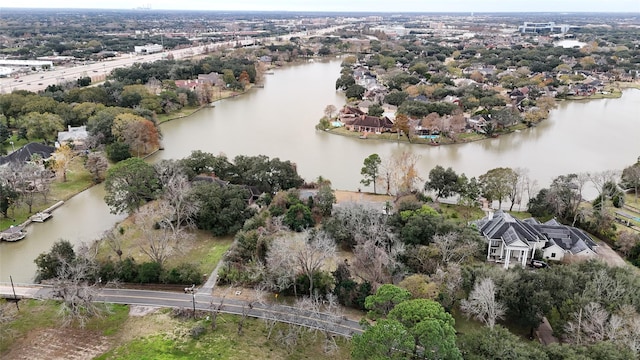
<point x="389" y="6"/>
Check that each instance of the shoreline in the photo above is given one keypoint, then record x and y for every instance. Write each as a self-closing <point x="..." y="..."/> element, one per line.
<point x="514" y="128"/>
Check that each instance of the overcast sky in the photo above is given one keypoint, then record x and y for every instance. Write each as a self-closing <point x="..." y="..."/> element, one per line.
<point x="348" y="5"/>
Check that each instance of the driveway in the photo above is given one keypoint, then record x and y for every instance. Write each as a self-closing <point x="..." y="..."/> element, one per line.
<point x="606" y="253"/>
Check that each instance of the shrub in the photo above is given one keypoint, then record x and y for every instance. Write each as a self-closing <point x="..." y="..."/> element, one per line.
<point x="127" y="270"/>
<point x="118" y="151"/>
<point x="149" y="272"/>
<point x="184" y="273"/>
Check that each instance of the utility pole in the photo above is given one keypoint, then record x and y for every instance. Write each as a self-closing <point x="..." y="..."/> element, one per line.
<point x="193" y="297"/>
<point x="14" y="293"/>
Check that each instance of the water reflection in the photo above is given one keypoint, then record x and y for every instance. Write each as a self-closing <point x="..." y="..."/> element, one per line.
<point x="279" y="120"/>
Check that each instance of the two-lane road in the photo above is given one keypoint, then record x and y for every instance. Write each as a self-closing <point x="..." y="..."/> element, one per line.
<point x="339" y="325"/>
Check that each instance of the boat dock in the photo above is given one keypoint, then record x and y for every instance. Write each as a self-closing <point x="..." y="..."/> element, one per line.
<point x="15" y="233"/>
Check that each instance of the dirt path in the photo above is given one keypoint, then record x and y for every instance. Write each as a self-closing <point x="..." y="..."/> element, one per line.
<point x="353" y="196"/>
<point x="59" y="344"/>
<point x="606" y="253"/>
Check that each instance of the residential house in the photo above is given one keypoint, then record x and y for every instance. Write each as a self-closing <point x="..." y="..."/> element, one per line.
<point x="212" y="78"/>
<point x="75" y="136"/>
<point x="510" y="239"/>
<point x="563" y="240"/>
<point x="366" y="123"/>
<point x="478" y="122"/>
<point x="348" y="114"/>
<point x="26" y="153"/>
<point x="187" y="84"/>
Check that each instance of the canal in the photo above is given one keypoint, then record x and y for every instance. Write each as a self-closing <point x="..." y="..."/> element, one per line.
<point x="278" y="121"/>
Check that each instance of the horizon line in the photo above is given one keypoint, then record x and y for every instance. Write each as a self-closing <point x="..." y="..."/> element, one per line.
<point x="330" y="11"/>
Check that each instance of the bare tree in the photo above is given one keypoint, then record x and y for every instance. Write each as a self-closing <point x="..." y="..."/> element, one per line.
<point x="630" y="333"/>
<point x="281" y="266"/>
<point x="97" y="165"/>
<point x="329" y="110"/>
<point x="599" y="180"/>
<point x="405" y="168"/>
<point x="588" y="325"/>
<point x="77" y="292"/>
<point x="270" y="318"/>
<point x="387" y="176"/>
<point x="27" y="176"/>
<point x="372" y="263"/>
<point x="482" y="303"/>
<point x="158" y="241"/>
<point x="114" y="241"/>
<point x="455" y="248"/>
<point x="216" y="310"/>
<point x="313" y="308"/>
<point x="531" y="186"/>
<point x="521" y="181"/>
<point x="606" y="288"/>
<point x="593" y="323"/>
<point x="248" y="304"/>
<point x="376" y="246"/>
<point x="450" y="282"/>
<point x="311" y="250"/>
<point x="626" y="241"/>
<point x="43" y="182"/>
<point x="179" y="207"/>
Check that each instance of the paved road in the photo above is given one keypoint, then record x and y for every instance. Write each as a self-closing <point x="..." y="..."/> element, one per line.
<point x="316" y="320"/>
<point x="39" y="81"/>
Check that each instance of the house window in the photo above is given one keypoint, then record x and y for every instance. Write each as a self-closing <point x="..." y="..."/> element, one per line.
<point x="553" y="255"/>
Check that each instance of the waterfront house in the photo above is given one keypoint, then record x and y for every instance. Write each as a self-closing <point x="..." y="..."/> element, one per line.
<point x="75" y="136"/>
<point x="513" y="240"/>
<point x="349" y="113"/>
<point x="26" y="153"/>
<point x="373" y="124"/>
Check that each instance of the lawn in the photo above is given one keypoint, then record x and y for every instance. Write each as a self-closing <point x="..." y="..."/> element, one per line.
<point x="33" y="314"/>
<point x="461" y="213"/>
<point x="206" y="249"/>
<point x="202" y="248"/>
<point x="36" y="316"/>
<point x="184" y="112"/>
<point x="37" y="332"/>
<point x="78" y="179"/>
<point x="194" y="339"/>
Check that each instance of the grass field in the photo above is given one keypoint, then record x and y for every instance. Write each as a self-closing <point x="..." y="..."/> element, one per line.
<point x="36" y="332"/>
<point x="78" y="179"/>
<point x="224" y="343"/>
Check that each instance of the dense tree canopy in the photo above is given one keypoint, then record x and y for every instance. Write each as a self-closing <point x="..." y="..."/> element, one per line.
<point x="222" y="209"/>
<point x="443" y="182"/>
<point x="129" y="184"/>
<point x="497" y="184"/>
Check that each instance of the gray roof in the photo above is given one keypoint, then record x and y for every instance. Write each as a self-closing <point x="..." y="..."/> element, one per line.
<point x="503" y="226"/>
<point x="502" y="222"/>
<point x="568" y="238"/>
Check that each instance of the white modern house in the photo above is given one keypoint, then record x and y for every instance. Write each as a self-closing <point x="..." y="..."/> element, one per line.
<point x="513" y="240"/>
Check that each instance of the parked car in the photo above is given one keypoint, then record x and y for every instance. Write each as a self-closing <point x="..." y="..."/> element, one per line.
<point x="539" y="264"/>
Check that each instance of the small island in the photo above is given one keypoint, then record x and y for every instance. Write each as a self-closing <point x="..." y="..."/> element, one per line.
<point x="445" y="87"/>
